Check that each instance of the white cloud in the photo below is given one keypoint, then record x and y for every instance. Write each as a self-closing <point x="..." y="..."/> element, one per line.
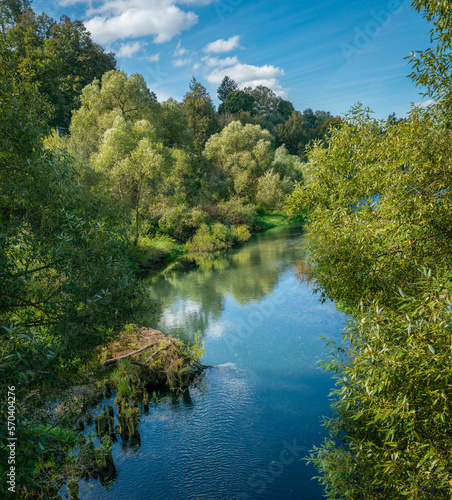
<point x="163" y="24"/>
<point x="217" y="62"/>
<point x="220" y="46"/>
<point x="247" y="75"/>
<point x="245" y="72"/>
<point x="128" y="50"/>
<point x="271" y="83"/>
<point x="181" y="62"/>
<point x="196" y="66"/>
<point x="121" y="19"/>
<point x="180" y="51"/>
<point x="425" y="104"/>
<point x="153" y="58"/>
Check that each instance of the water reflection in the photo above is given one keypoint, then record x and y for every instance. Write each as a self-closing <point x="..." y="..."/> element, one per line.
<point x="194" y="297"/>
<point x="241" y="432"/>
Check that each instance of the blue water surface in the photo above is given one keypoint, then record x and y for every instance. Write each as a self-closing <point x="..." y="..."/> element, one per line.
<point x="243" y="430"/>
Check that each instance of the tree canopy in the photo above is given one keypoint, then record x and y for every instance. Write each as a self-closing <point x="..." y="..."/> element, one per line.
<point x="60" y="55"/>
<point x="379" y="243"/>
<point x="227" y="86"/>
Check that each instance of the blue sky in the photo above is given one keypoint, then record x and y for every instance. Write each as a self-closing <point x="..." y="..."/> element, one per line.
<point x="324" y="55"/>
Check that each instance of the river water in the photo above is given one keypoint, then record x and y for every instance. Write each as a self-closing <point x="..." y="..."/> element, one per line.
<point x="241" y="432"/>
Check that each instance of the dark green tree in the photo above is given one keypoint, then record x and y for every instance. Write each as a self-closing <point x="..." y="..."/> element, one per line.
<point x="227" y="86"/>
<point x="236" y="102"/>
<point x="200" y="114"/>
<point x="62" y="57"/>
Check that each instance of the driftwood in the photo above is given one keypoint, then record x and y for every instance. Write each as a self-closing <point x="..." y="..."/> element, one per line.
<point x="109" y="362"/>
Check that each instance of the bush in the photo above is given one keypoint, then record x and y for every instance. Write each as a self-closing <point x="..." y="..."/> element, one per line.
<point x="239" y="234"/>
<point x="235" y="212"/>
<point x="271" y="190"/>
<point x="181" y="222"/>
<point x="217" y="237"/>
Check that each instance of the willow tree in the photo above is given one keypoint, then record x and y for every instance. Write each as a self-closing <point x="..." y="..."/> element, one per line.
<point x="246" y="154"/>
<point x="135" y="163"/>
<point x="379" y="200"/>
<point x="102" y="101"/>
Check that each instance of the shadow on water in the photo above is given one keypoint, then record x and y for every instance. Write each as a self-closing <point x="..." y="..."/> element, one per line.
<point x="243" y="430"/>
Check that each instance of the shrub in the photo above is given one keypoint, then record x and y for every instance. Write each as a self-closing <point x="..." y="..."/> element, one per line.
<point x="235" y="212"/>
<point x="181" y="222"/>
<point x="239" y="234"/>
<point x="271" y="190"/>
<point x="217" y="237"/>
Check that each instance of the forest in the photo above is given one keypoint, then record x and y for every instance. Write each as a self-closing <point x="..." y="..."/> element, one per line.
<point x="101" y="182"/>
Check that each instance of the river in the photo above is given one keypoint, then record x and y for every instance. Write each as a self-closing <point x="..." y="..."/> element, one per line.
<point x="243" y="430"/>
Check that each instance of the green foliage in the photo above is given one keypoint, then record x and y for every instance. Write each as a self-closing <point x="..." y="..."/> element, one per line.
<point x="237" y="101"/>
<point x="134" y="163"/>
<point x="271" y="190"/>
<point x="151" y="251"/>
<point x="379" y="205"/>
<point x="236" y="212"/>
<point x="181" y="222"/>
<point x="245" y="153"/>
<point x="200" y="114"/>
<point x="390" y="436"/>
<point x="379" y="202"/>
<point x="217" y="237"/>
<point x="258" y="175"/>
<point x="302" y="128"/>
<point x="102" y="101"/>
<point x="226" y="87"/>
<point x="172" y="126"/>
<point x="64" y="278"/>
<point x="431" y="67"/>
<point x="61" y="57"/>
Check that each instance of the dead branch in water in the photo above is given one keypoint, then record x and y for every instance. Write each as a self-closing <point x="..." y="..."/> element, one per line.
<point x="109" y="362"/>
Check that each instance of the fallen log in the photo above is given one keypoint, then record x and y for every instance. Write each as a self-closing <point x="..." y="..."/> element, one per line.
<point x="109" y="362"/>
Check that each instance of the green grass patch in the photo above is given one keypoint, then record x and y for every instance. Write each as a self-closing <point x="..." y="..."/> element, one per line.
<point x="271" y="220"/>
<point x="153" y="251"/>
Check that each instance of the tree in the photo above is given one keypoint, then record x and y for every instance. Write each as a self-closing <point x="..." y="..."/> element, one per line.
<point x="200" y="113"/>
<point x="64" y="279"/>
<point x="102" y="102"/>
<point x="237" y="101"/>
<point x="226" y="87"/>
<point x="134" y="162"/>
<point x="246" y="155"/>
<point x="390" y="435"/>
<point x="11" y="11"/>
<point x="65" y="282"/>
<point x="244" y="152"/>
<point x="172" y="125"/>
<point x="379" y="209"/>
<point x="62" y="56"/>
<point x="379" y="201"/>
<point x="293" y="134"/>
<point x="431" y="67"/>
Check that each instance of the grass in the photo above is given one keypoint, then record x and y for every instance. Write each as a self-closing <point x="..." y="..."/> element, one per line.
<point x="151" y="252"/>
<point x="271" y="220"/>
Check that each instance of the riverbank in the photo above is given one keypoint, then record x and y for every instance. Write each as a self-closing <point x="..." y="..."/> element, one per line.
<point x="128" y="375"/>
<point x="153" y="254"/>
